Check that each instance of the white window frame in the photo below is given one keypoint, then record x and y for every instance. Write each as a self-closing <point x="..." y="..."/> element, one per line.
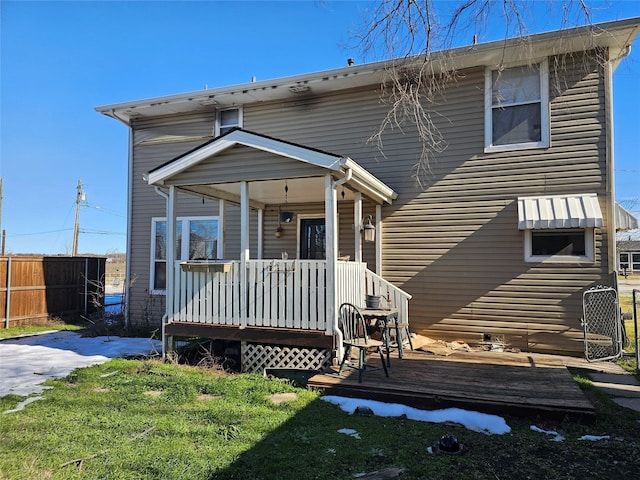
<point x="218" y="127"/>
<point x="543" y="69"/>
<point x="589" y="246"/>
<point x="184" y="248"/>
<point x="627" y="262"/>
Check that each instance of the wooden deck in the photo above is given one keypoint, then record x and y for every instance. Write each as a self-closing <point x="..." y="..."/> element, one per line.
<point x="520" y="384"/>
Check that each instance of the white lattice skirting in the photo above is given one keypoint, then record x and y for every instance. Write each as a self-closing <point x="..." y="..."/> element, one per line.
<point x="256" y="357"/>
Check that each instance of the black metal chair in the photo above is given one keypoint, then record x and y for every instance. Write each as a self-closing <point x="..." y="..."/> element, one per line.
<point x="354" y="334"/>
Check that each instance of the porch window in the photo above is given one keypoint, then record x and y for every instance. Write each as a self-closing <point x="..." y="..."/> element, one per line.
<point x="517" y="108"/>
<point x="228" y="119"/>
<point x="202" y="244"/>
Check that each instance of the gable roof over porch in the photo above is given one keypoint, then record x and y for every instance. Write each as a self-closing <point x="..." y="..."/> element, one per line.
<point x="218" y="167"/>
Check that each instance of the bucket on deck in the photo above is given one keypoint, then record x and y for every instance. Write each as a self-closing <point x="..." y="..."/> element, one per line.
<point x="373" y="302"/>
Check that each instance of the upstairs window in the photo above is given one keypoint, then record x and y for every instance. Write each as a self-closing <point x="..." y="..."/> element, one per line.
<point x="228" y="119"/>
<point x="517" y="108"/>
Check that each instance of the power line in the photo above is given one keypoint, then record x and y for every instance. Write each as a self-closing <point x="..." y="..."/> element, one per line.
<point x="102" y="209"/>
<point x="99" y="232"/>
<point x="38" y="233"/>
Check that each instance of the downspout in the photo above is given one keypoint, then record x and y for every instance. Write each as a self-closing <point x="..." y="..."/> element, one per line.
<point x="336" y="329"/>
<point x="165" y="317"/>
<point x="345" y="179"/>
<point x="610" y="159"/>
<point x="127" y="274"/>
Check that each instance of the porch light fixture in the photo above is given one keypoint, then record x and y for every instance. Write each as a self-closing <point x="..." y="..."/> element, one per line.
<point x="369" y="231"/>
<point x="286" y="217"/>
<point x="278" y="232"/>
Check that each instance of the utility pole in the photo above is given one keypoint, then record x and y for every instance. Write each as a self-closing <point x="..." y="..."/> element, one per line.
<point x="80" y="196"/>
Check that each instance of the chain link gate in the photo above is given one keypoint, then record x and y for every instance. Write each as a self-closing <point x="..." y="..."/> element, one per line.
<point x="601" y="322"/>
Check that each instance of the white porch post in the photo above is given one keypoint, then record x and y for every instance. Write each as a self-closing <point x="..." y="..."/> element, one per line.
<point x="222" y="227"/>
<point x="357" y="223"/>
<point x="244" y="250"/>
<point x="379" y="239"/>
<point x="331" y="235"/>
<point x="260" y="232"/>
<point x="171" y="263"/>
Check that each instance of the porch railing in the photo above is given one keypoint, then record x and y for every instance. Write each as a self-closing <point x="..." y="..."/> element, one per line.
<point x="398" y="298"/>
<point x="278" y="293"/>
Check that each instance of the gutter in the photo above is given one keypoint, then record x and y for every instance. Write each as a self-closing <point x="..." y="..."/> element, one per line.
<point x="113" y="114"/>
<point x="372" y="73"/>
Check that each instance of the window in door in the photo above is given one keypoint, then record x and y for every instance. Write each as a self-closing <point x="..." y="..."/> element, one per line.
<point x="312" y="239"/>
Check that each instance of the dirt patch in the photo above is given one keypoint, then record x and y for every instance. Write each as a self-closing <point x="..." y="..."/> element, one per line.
<point x="102" y="390"/>
<point x="153" y="393"/>
<point x="279" y="398"/>
<point x="205" y="397"/>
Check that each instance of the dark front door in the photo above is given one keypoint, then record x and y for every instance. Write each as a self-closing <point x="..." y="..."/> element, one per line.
<point x="312" y="239"/>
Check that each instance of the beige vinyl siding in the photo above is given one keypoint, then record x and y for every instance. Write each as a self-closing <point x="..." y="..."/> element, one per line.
<point x="289" y="238"/>
<point x="455" y="245"/>
<point x="224" y="167"/>
<point x="452" y="242"/>
<point x="147" y="309"/>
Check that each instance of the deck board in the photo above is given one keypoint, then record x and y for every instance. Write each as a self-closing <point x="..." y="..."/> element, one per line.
<point x="504" y="383"/>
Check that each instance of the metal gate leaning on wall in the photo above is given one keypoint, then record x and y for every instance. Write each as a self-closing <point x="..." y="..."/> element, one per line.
<point x="601" y="323"/>
<point x="34" y="288"/>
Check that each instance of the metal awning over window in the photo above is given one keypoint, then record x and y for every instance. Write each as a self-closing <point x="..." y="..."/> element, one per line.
<point x="625" y="220"/>
<point x="559" y="211"/>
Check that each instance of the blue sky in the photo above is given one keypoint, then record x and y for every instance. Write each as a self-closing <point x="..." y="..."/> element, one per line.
<point x="61" y="59"/>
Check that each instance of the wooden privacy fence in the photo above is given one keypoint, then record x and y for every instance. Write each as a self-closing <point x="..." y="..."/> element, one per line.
<point x="34" y="287"/>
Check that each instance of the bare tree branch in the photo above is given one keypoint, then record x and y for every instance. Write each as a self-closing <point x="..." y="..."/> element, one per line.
<point x="415" y="34"/>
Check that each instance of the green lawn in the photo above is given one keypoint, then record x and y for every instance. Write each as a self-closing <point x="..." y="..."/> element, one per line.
<point x="143" y="419"/>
